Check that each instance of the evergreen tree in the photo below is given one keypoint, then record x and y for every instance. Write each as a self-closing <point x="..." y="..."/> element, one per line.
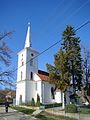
<point x="58" y="74"/>
<point x="71" y="45"/>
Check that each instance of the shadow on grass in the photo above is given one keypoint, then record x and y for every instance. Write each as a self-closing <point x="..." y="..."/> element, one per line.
<point x="46" y="116"/>
<point x="43" y="117"/>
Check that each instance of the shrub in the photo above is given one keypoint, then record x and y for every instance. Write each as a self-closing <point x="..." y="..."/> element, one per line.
<point x="38" y="101"/>
<point x="33" y="102"/>
<point x="52" y="105"/>
<point x="71" y="108"/>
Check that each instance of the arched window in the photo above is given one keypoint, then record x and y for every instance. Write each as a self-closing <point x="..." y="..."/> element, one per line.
<point x="52" y="93"/>
<point x="31" y="75"/>
<point x="21" y="75"/>
<point x="20" y="99"/>
<point x="22" y="63"/>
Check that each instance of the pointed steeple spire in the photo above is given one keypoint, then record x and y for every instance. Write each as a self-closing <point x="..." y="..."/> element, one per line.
<point x="28" y="37"/>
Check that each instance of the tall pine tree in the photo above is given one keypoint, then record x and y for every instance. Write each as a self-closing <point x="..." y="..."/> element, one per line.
<point x="59" y="74"/>
<point x="71" y="45"/>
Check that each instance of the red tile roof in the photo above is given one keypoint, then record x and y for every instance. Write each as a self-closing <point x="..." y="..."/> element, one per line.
<point x="43" y="75"/>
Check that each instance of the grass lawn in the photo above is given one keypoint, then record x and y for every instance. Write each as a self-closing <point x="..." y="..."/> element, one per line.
<point x="24" y="110"/>
<point x="43" y="115"/>
<point x="85" y="111"/>
<point x="46" y="116"/>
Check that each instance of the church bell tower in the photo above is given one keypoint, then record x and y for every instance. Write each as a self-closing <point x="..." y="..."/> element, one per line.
<point x="27" y="66"/>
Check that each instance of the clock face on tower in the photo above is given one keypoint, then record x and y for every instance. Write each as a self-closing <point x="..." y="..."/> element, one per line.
<point x="32" y="54"/>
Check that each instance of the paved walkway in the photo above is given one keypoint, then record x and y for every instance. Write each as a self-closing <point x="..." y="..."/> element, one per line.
<point x="57" y="111"/>
<point x="13" y="115"/>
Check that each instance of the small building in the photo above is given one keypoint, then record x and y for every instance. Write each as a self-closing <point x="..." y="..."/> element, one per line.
<point x="31" y="81"/>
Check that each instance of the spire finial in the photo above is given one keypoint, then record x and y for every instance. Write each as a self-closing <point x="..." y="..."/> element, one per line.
<point x="28" y="23"/>
<point x="28" y="37"/>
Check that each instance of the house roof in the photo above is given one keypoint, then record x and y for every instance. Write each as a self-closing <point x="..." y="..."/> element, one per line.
<point x="43" y="75"/>
<point x="12" y="93"/>
<point x="8" y="92"/>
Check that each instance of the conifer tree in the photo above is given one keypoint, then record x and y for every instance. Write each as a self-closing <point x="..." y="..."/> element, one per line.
<point x="58" y="74"/>
<point x="71" y="45"/>
<point x="67" y="62"/>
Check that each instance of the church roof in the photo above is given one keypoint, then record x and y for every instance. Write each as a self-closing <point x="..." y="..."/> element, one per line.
<point x="43" y="75"/>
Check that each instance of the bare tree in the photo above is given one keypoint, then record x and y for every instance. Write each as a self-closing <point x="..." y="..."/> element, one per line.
<point x="85" y="91"/>
<point x="86" y="65"/>
<point x="5" y="60"/>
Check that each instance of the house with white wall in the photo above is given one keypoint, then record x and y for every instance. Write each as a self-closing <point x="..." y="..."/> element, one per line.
<point x="30" y="80"/>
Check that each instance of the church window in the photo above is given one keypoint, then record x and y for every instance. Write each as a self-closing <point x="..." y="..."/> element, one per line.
<point x="31" y="75"/>
<point x="52" y="93"/>
<point x="21" y="75"/>
<point x="20" y="99"/>
<point x="31" y="62"/>
<point x="22" y="63"/>
<point x="32" y="54"/>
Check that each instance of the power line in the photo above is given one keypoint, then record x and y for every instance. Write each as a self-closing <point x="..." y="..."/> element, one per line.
<point x="52" y="45"/>
<point x="82" y="25"/>
<point x="76" y="11"/>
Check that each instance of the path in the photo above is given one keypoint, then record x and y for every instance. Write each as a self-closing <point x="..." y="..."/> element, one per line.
<point x="58" y="111"/>
<point x="13" y="115"/>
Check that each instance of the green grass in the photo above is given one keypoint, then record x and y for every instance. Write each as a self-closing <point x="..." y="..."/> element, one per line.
<point x="46" y="116"/>
<point x="43" y="117"/>
<point x="85" y="111"/>
<point x="24" y="110"/>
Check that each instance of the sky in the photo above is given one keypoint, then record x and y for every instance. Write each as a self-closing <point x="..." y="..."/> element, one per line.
<point x="48" y="19"/>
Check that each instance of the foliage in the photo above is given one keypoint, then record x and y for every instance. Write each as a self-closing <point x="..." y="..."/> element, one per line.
<point x="32" y="102"/>
<point x="71" y="45"/>
<point x="59" y="74"/>
<point x="52" y="105"/>
<point x="38" y="100"/>
<point x="67" y="62"/>
<point x="71" y="108"/>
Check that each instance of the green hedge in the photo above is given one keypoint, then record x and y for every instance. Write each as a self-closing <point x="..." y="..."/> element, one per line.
<point x="52" y="105"/>
<point x="71" y="108"/>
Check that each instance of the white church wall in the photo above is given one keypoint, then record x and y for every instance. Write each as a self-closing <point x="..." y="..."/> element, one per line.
<point x="30" y="90"/>
<point x="36" y="77"/>
<point x="58" y="97"/>
<point x="22" y="68"/>
<point x="46" y="91"/>
<point x="20" y="91"/>
<point x="38" y="90"/>
<point x="38" y="86"/>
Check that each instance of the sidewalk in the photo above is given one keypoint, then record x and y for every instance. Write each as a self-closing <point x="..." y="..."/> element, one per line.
<point x="73" y="115"/>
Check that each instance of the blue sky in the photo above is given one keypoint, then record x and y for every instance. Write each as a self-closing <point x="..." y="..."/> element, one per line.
<point x="48" y="20"/>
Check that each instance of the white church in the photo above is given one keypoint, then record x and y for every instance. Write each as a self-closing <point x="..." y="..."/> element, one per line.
<point x="30" y="80"/>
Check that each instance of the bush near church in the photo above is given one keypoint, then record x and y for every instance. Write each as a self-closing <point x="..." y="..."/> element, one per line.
<point x="33" y="102"/>
<point x="38" y="101"/>
<point x="71" y="108"/>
